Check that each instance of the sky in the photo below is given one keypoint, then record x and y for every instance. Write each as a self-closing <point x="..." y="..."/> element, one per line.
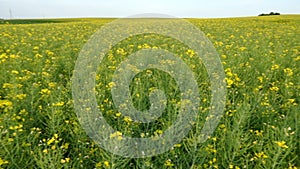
<point x="123" y="8"/>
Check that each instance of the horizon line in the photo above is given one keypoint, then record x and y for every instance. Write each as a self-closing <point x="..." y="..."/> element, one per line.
<point x="110" y="17"/>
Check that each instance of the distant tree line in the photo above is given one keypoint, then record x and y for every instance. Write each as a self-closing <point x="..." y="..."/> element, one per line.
<point x="271" y="13"/>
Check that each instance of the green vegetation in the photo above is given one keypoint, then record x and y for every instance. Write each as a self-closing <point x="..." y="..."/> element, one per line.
<point x="259" y="129"/>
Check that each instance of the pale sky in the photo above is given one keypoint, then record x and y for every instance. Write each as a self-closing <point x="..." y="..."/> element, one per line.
<point x="124" y="8"/>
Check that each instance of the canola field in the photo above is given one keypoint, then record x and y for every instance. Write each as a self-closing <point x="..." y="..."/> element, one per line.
<point x="259" y="128"/>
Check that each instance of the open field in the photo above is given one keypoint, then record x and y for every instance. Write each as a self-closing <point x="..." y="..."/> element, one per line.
<point x="260" y="127"/>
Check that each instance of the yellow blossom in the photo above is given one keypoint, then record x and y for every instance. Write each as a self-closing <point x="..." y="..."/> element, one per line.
<point x="45" y="151"/>
<point x="50" y="141"/>
<point x="168" y="163"/>
<point x="5" y="103"/>
<point x="14" y="72"/>
<point x="127" y="119"/>
<point x="51" y="84"/>
<point x="58" y="104"/>
<point x="281" y="144"/>
<point x="66" y="160"/>
<point x="7" y="86"/>
<point x="274" y="67"/>
<point x="274" y="88"/>
<point x="288" y="71"/>
<point x="261" y="155"/>
<point x="98" y="165"/>
<point x="190" y="53"/>
<point x="106" y="164"/>
<point x="45" y="92"/>
<point x="243" y="48"/>
<point x="20" y="96"/>
<point x="111" y="84"/>
<point x="117" y="135"/>
<point x="2" y="162"/>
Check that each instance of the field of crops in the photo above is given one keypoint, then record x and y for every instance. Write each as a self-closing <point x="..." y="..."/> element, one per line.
<point x="259" y="129"/>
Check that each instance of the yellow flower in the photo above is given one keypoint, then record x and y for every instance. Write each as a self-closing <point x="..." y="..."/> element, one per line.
<point x="219" y="43"/>
<point x="210" y="149"/>
<point x="259" y="133"/>
<point x="20" y="96"/>
<point x="261" y="79"/>
<point x="274" y="88"/>
<point x="106" y="164"/>
<point x="281" y="144"/>
<point x="274" y="67"/>
<point x="49" y="53"/>
<point x="288" y="71"/>
<point x="3" y="56"/>
<point x="116" y="134"/>
<point x="261" y="155"/>
<point x="5" y="103"/>
<point x="232" y="166"/>
<point x="190" y="53"/>
<point x="229" y="82"/>
<point x="177" y="145"/>
<point x="127" y="119"/>
<point x="66" y="160"/>
<point x="243" y="48"/>
<point x="158" y="132"/>
<point x="3" y="161"/>
<point x="14" y="72"/>
<point x="214" y="138"/>
<point x="45" y="92"/>
<point x="121" y="51"/>
<point x="292" y="167"/>
<point x="55" y="136"/>
<point x="58" y="104"/>
<point x="168" y="163"/>
<point x="98" y="165"/>
<point x="50" y="141"/>
<point x="38" y="55"/>
<point x="65" y="146"/>
<point x="297" y="58"/>
<point x="7" y="86"/>
<point x="46" y="74"/>
<point x="45" y="151"/>
<point x="51" y="84"/>
<point x="111" y="84"/>
<point x="118" y="114"/>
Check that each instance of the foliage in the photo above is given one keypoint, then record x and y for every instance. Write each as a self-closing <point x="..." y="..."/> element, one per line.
<point x="260" y="127"/>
